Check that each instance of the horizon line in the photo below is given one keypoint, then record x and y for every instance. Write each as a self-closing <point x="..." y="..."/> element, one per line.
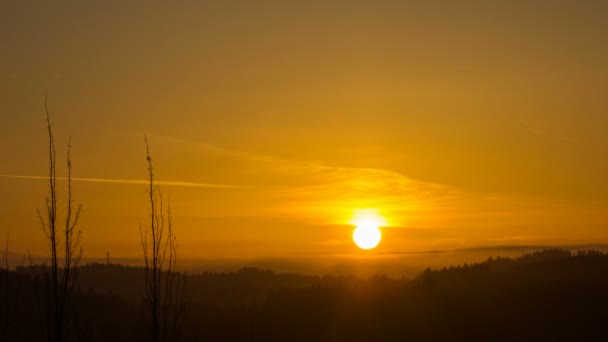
<point x="480" y="248"/>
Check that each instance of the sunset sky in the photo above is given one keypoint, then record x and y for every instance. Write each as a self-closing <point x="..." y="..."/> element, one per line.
<point x="463" y="124"/>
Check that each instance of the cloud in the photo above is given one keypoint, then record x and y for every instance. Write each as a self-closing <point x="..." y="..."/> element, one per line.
<point x="546" y="134"/>
<point x="138" y="182"/>
<point x="320" y="192"/>
<point x="335" y="192"/>
<point x="504" y="248"/>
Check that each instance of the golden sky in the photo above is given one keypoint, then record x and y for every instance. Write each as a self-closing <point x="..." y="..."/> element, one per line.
<point x="464" y="124"/>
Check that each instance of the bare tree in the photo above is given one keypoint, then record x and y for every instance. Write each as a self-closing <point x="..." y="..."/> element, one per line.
<point x="164" y="286"/>
<point x="65" y="246"/>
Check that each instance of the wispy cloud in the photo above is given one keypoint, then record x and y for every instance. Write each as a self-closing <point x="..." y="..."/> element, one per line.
<point x="546" y="134"/>
<point x="321" y="192"/>
<point x="139" y="182"/>
<point x="504" y="248"/>
<point x="337" y="191"/>
<point x="318" y="191"/>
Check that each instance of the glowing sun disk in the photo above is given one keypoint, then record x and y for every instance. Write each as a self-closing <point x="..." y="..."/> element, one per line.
<point x="367" y="235"/>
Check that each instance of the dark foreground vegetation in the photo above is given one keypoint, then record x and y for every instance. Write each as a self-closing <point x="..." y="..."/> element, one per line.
<point x="549" y="295"/>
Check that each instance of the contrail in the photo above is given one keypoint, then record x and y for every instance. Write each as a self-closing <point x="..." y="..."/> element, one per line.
<point x="141" y="182"/>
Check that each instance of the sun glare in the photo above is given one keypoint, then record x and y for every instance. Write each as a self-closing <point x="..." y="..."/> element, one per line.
<point x="367" y="234"/>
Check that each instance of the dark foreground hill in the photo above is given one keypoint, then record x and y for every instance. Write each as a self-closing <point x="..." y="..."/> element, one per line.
<point x="545" y="296"/>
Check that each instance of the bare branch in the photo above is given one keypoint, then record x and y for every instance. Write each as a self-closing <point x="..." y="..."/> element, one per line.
<point x="59" y="285"/>
<point x="162" y="283"/>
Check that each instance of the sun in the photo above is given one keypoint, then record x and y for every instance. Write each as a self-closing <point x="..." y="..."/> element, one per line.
<point x="367" y="234"/>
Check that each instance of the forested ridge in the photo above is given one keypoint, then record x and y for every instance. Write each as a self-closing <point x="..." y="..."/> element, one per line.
<point x="547" y="295"/>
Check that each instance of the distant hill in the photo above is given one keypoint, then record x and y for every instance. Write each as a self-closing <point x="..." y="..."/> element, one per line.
<point x="546" y="295"/>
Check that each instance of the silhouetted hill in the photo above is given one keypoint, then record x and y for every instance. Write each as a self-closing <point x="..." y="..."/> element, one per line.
<point x="242" y="287"/>
<point x="548" y="295"/>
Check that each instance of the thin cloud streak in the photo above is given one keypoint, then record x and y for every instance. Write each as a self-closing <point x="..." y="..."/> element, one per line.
<point x="140" y="182"/>
<point x="504" y="248"/>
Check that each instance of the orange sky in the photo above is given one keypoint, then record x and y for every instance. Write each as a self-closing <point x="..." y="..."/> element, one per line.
<point x="477" y="123"/>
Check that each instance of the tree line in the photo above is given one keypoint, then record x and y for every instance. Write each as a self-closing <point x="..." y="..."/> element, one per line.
<point x="548" y="295"/>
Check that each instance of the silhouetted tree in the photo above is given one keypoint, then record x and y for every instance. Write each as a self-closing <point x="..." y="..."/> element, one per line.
<point x="65" y="247"/>
<point x="164" y="286"/>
